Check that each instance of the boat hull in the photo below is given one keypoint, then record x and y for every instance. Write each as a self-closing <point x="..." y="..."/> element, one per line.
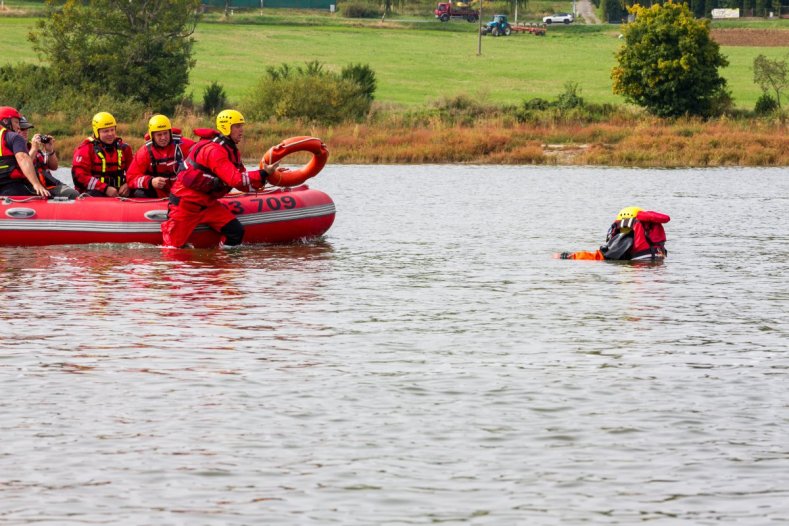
<point x="277" y="216"/>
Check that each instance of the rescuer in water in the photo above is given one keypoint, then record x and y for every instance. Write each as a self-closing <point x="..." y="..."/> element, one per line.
<point x="635" y="235"/>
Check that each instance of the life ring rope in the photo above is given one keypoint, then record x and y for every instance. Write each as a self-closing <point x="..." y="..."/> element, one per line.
<point x="296" y="177"/>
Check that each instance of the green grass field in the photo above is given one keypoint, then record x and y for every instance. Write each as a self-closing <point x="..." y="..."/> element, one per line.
<point x="419" y="63"/>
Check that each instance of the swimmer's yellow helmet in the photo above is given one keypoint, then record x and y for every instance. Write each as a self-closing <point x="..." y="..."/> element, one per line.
<point x="628" y="213"/>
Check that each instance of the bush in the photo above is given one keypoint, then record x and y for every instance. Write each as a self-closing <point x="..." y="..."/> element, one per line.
<point x="569" y="106"/>
<point x="28" y="88"/>
<point x="570" y="97"/>
<point x="765" y="105"/>
<point x="536" y="104"/>
<point x="360" y="11"/>
<point x="309" y="95"/>
<point x="362" y="75"/>
<point x="214" y="98"/>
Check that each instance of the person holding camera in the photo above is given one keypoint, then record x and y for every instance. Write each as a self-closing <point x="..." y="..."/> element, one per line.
<point x="157" y="162"/>
<point x="101" y="161"/>
<point x="17" y="173"/>
<point x="45" y="158"/>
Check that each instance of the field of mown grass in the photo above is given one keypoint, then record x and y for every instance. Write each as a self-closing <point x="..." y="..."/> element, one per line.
<point x="417" y="66"/>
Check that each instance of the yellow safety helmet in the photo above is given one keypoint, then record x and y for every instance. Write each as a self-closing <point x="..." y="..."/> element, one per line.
<point x="159" y="123"/>
<point x="102" y="120"/>
<point x="628" y="213"/>
<point x="228" y="118"/>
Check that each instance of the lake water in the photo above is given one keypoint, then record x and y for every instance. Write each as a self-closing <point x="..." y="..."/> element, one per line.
<point x="426" y="362"/>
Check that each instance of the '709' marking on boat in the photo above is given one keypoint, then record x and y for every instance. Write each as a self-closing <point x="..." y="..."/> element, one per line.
<point x="273" y="203"/>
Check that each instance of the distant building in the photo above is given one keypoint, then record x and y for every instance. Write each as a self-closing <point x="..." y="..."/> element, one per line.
<point x="262" y="4"/>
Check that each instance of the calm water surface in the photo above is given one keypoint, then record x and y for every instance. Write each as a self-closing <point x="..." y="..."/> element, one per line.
<point x="426" y="362"/>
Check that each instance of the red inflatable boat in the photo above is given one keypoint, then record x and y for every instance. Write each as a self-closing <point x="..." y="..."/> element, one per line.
<point x="273" y="216"/>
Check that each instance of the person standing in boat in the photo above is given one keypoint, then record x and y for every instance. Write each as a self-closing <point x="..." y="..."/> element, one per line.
<point x="635" y="235"/>
<point x="101" y="161"/>
<point x="42" y="150"/>
<point x="212" y="169"/>
<point x="155" y="165"/>
<point x="16" y="167"/>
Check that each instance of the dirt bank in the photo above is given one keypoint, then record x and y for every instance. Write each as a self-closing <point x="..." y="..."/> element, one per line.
<point x="748" y="37"/>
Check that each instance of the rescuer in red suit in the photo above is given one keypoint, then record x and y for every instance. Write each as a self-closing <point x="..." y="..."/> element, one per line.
<point x="101" y="161"/>
<point x="635" y="235"/>
<point x="156" y="164"/>
<point x="212" y="169"/>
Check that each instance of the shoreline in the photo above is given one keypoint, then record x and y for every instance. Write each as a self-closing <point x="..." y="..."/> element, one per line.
<point x="628" y="140"/>
<point x="677" y="146"/>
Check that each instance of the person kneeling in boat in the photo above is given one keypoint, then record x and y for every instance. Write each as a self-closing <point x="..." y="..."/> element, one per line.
<point x="17" y="173"/>
<point x="101" y="161"/>
<point x="45" y="158"/>
<point x="212" y="169"/>
<point x="635" y="235"/>
<point x="155" y="165"/>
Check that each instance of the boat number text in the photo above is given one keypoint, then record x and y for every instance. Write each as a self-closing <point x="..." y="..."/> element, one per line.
<point x="273" y="203"/>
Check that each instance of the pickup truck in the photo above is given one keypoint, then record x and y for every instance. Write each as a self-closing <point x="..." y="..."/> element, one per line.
<point x="445" y="11"/>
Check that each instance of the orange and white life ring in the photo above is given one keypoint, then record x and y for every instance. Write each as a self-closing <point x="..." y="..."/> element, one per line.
<point x="288" y="177"/>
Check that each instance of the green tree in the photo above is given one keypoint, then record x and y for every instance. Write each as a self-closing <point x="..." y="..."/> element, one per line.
<point x="669" y="64"/>
<point x="613" y="11"/>
<point x="127" y="49"/>
<point x="771" y="75"/>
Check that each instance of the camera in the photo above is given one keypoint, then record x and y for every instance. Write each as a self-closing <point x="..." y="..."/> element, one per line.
<point x="45" y="139"/>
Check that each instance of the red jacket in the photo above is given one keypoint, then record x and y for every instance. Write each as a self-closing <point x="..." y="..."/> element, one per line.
<point x="97" y="165"/>
<point x="152" y="161"/>
<point x="213" y="168"/>
<point x="42" y="169"/>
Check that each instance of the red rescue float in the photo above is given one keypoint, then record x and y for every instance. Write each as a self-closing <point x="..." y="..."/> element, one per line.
<point x="288" y="177"/>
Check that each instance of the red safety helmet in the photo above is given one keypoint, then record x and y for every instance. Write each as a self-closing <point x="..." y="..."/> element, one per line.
<point x="7" y="112"/>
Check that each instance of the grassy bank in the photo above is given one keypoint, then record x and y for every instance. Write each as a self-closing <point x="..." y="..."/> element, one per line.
<point x="419" y="63"/>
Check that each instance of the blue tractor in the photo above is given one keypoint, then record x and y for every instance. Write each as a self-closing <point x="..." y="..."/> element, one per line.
<point x="498" y="26"/>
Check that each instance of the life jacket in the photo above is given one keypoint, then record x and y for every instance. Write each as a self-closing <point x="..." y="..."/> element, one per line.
<point x="9" y="168"/>
<point x="156" y="162"/>
<point x="649" y="236"/>
<point x="200" y="177"/>
<point x="112" y="174"/>
<point x="45" y="177"/>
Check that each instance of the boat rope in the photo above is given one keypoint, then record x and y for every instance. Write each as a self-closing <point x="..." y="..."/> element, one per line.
<point x="11" y="200"/>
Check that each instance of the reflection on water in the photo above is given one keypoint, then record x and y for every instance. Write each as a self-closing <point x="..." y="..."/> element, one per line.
<point x="427" y="361"/>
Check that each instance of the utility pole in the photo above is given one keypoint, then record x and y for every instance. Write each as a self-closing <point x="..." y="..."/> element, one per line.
<point x="479" y="33"/>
